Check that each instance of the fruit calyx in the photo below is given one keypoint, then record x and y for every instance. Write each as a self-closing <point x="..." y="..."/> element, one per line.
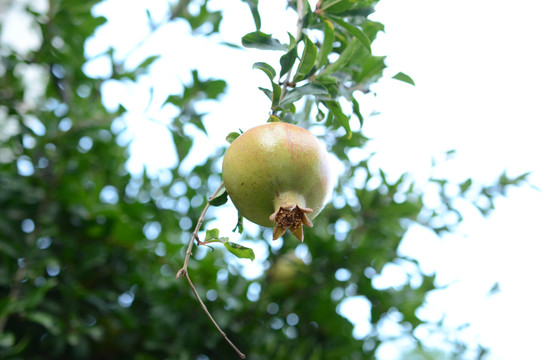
<point x="290" y="215"/>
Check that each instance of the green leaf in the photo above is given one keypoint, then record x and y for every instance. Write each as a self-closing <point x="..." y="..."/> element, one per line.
<point x="262" y="41"/>
<point x="327" y="44"/>
<point x="347" y="7"/>
<point x="212" y="234"/>
<point x="147" y="62"/>
<point x="299" y="92"/>
<point x="275" y="94"/>
<point x="339" y="115"/>
<point x="355" y="31"/>
<point x="268" y="92"/>
<point x="232" y="136"/>
<point x="220" y="199"/>
<point x="273" y="118"/>
<point x="404" y="77"/>
<point x="240" y="251"/>
<point x="266" y="68"/>
<point x="343" y="59"/>
<point x="253" y="6"/>
<point x="356" y="111"/>
<point x="239" y="224"/>
<point x="287" y="61"/>
<point x="373" y="68"/>
<point x="307" y="62"/>
<point x="465" y="186"/>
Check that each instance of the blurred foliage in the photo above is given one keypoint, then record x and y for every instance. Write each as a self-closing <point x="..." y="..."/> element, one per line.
<point x="88" y="251"/>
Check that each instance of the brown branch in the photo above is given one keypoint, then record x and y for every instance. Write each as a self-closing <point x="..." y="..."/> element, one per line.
<point x="183" y="272"/>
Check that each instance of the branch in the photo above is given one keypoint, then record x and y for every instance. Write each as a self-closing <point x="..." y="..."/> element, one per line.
<point x="240" y="354"/>
<point x="183" y="272"/>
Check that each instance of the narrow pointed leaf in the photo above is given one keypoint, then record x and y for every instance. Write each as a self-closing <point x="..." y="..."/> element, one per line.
<point x="287" y="61"/>
<point x="339" y="115"/>
<point x="404" y="77"/>
<point x="309" y="56"/>
<point x="266" y="68"/>
<point x="327" y="44"/>
<point x="276" y="95"/>
<point x="343" y="59"/>
<point x="263" y="41"/>
<point x="268" y="92"/>
<point x="355" y="31"/>
<point x="299" y="92"/>
<point x="239" y="224"/>
<point x="253" y="6"/>
<point x="356" y="111"/>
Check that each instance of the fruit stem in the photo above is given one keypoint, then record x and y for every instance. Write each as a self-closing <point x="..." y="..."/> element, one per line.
<point x="290" y="213"/>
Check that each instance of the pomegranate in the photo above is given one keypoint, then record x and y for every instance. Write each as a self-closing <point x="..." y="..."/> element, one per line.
<point x="278" y="175"/>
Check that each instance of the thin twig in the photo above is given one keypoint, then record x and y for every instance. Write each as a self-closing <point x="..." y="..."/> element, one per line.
<point x="240" y="354"/>
<point x="183" y="272"/>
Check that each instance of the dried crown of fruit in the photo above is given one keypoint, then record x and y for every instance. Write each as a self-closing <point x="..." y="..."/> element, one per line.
<point x="278" y="175"/>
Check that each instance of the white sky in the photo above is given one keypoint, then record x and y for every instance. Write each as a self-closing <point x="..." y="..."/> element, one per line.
<point x="479" y="90"/>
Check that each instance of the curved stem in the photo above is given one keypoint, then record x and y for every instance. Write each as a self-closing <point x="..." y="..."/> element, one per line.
<point x="183" y="272"/>
<point x="240" y="354"/>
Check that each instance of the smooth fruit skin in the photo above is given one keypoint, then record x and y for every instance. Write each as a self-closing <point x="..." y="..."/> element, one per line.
<point x="273" y="166"/>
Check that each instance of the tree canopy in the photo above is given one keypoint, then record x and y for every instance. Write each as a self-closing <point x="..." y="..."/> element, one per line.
<point x="89" y="252"/>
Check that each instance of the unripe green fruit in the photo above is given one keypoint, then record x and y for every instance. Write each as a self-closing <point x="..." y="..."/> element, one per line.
<point x="278" y="175"/>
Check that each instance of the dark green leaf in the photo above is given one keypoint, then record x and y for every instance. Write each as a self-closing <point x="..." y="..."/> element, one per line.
<point x="343" y="59"/>
<point x="287" y="61"/>
<point x="262" y="41"/>
<point x="266" y="68"/>
<point x="299" y="92"/>
<point x="348" y="7"/>
<point x="253" y="6"/>
<point x="240" y="251"/>
<point x="327" y="44"/>
<point x="309" y="56"/>
<point x="276" y="95"/>
<point x="404" y="77"/>
<point x="356" y="111"/>
<point x="220" y="199"/>
<point x="239" y="224"/>
<point x="268" y="92"/>
<point x="355" y="31"/>
<point x="339" y="115"/>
